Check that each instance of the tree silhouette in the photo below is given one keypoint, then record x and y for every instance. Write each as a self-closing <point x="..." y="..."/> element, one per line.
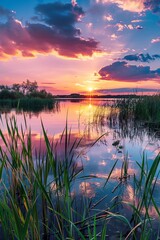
<point x="29" y="87"/>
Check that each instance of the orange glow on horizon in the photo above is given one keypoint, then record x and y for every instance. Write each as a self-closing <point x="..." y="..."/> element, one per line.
<point x="90" y="89"/>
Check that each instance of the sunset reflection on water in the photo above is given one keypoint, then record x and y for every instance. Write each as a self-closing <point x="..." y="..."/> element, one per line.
<point x="86" y="123"/>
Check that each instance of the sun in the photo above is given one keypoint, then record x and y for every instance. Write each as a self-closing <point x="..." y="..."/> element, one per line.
<point x="90" y="89"/>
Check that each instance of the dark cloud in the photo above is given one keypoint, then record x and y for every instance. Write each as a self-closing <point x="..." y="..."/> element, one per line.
<point x="62" y="17"/>
<point x="5" y="12"/>
<point x="139" y="27"/>
<point x="141" y="57"/>
<point x="121" y="71"/>
<point x="153" y="5"/>
<point x="53" y="31"/>
<point x="125" y="90"/>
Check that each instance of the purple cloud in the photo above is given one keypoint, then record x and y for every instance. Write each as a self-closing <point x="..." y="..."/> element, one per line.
<point x="53" y="32"/>
<point x="153" y="5"/>
<point x="121" y="71"/>
<point x="62" y="17"/>
<point x="125" y="90"/>
<point x="6" y="13"/>
<point x="141" y="57"/>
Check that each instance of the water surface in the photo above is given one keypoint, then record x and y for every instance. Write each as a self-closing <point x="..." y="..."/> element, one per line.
<point x="90" y="119"/>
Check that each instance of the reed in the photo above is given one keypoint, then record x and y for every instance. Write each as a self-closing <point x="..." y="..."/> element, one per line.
<point x="27" y="104"/>
<point x="131" y="116"/>
<point x="37" y="199"/>
<point x="143" y="108"/>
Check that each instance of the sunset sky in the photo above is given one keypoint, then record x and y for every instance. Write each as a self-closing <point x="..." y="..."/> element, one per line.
<point x="81" y="46"/>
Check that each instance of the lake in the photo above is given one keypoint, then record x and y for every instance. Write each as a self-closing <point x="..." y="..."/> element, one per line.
<point x="105" y="144"/>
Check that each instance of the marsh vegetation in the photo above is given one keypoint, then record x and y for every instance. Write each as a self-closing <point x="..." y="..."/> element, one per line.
<point x="25" y="96"/>
<point x="50" y="191"/>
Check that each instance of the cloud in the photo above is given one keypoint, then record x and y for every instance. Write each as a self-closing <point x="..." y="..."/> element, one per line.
<point x="6" y="13"/>
<point x="121" y="71"/>
<point x="125" y="90"/>
<point x="136" y="20"/>
<point x="139" y="27"/>
<point x="135" y="5"/>
<point x="62" y="17"/>
<point x="153" y="5"/>
<point x="121" y="27"/>
<point x="74" y="2"/>
<point x="53" y="32"/>
<point x="108" y="17"/>
<point x="128" y="5"/>
<point x="114" y="37"/>
<point x="130" y="26"/>
<point x="141" y="57"/>
<point x="155" y="40"/>
<point x="48" y="83"/>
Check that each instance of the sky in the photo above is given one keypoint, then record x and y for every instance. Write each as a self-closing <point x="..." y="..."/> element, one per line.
<point x="80" y="46"/>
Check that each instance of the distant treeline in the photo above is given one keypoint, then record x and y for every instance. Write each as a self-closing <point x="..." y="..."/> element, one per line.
<point x="25" y="97"/>
<point x="27" y="89"/>
<point x="81" y="96"/>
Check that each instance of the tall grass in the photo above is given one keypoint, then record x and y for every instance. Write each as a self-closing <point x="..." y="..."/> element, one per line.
<point x="37" y="198"/>
<point x="131" y="116"/>
<point x="146" y="108"/>
<point x="28" y="104"/>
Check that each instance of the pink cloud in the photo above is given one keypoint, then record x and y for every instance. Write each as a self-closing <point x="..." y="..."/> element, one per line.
<point x="132" y="6"/>
<point x="155" y="40"/>
<point x="121" y="27"/>
<point x="135" y="5"/>
<point x="47" y="36"/>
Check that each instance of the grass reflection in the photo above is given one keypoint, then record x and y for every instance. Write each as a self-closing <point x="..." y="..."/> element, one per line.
<point x="34" y="105"/>
<point x="46" y="192"/>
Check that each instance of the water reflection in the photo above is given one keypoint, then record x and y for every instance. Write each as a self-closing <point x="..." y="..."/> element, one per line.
<point x="88" y="189"/>
<point x="129" y="197"/>
<point x="30" y="106"/>
<point x="125" y="126"/>
<point x="73" y="128"/>
<point x="116" y="174"/>
<point x="88" y="120"/>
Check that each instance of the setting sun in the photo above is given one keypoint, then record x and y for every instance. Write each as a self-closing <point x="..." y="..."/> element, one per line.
<point x="90" y="89"/>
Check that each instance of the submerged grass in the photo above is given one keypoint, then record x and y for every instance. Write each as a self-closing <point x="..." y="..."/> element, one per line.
<point x="37" y="198"/>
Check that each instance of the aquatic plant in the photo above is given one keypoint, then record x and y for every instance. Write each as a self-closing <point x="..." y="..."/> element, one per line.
<point x="38" y="198"/>
<point x="146" y="108"/>
<point x="28" y="104"/>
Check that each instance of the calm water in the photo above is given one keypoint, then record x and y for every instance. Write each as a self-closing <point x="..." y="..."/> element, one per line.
<point x="86" y="119"/>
